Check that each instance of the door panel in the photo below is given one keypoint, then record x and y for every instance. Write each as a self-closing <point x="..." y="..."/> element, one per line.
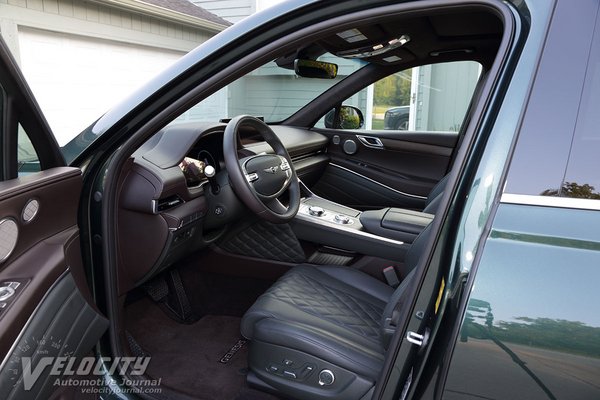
<point x="374" y="169"/>
<point x="50" y="312"/>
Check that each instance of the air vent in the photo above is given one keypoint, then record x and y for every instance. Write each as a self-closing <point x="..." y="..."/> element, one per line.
<point x="167" y="203"/>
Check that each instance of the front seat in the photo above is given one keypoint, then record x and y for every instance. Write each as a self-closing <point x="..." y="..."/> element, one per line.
<point x="435" y="196"/>
<point x="321" y="332"/>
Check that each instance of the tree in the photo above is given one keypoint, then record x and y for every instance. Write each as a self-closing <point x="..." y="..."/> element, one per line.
<point x="393" y="90"/>
<point x="573" y="189"/>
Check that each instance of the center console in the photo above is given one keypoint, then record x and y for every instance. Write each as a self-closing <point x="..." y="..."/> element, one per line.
<point x="328" y="211"/>
<point x="385" y="233"/>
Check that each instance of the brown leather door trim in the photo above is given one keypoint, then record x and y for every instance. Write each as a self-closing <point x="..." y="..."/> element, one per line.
<point x="57" y="192"/>
<point x="47" y="246"/>
<point x="35" y="181"/>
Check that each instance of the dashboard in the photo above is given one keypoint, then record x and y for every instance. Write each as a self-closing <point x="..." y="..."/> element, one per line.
<point x="166" y="210"/>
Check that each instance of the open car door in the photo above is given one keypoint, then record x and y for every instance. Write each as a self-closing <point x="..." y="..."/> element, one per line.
<point x="47" y="315"/>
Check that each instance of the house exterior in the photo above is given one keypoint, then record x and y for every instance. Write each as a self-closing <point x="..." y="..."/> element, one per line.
<point x="231" y="10"/>
<point x="81" y="57"/>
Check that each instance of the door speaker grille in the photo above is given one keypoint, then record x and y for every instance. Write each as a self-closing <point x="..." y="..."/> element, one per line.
<point x="9" y="233"/>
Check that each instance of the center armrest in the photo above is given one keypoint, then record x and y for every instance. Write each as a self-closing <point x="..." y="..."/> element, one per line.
<point x="395" y="223"/>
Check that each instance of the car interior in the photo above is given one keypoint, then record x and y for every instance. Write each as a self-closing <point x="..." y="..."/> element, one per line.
<point x="262" y="260"/>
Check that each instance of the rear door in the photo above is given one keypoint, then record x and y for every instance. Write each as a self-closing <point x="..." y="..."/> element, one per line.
<point x="46" y="311"/>
<point x="412" y="125"/>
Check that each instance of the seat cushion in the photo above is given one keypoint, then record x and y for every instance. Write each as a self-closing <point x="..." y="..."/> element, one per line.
<point x="331" y="312"/>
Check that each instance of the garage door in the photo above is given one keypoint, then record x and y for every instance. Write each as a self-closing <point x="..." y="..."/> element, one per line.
<point x="76" y="78"/>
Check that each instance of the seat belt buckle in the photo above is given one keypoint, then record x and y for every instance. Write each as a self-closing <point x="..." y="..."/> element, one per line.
<point x="389" y="273"/>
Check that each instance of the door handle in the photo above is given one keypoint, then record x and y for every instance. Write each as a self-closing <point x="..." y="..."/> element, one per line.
<point x="371" y="141"/>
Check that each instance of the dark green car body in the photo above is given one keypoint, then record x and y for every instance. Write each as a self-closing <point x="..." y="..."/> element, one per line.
<point x="508" y="298"/>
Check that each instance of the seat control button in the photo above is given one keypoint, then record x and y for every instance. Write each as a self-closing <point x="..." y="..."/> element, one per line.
<point x="287" y="362"/>
<point x="289" y="374"/>
<point x="273" y="369"/>
<point x="326" y="377"/>
<point x="306" y="371"/>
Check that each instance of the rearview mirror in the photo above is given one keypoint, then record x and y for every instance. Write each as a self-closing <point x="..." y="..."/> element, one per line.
<point x="315" y="69"/>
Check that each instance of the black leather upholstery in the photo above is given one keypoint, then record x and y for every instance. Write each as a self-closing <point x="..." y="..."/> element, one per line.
<point x="265" y="240"/>
<point x="433" y="200"/>
<point x="330" y="316"/>
<point x="331" y="311"/>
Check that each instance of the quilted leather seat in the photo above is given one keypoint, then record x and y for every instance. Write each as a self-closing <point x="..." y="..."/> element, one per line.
<point x="318" y="318"/>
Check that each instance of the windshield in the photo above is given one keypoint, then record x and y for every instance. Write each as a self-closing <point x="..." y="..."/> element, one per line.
<point x="271" y="92"/>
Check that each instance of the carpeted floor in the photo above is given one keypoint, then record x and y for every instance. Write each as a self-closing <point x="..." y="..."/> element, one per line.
<point x="186" y="357"/>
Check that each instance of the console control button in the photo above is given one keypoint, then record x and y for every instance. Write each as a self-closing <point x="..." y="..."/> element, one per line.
<point x="326" y="377"/>
<point x="342" y="219"/>
<point x="316" y="211"/>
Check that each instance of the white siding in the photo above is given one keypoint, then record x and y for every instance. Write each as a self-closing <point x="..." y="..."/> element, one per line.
<point x="76" y="79"/>
<point x="444" y="94"/>
<point x="231" y="10"/>
<point x="81" y="57"/>
<point x="95" y="20"/>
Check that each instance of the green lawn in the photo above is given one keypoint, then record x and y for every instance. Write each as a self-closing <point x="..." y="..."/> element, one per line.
<point x="377" y="124"/>
<point x="380" y="109"/>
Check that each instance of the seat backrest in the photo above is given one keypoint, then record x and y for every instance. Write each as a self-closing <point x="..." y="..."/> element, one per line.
<point x="393" y="310"/>
<point x="433" y="200"/>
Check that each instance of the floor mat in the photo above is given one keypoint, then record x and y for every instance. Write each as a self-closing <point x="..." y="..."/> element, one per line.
<point x="187" y="357"/>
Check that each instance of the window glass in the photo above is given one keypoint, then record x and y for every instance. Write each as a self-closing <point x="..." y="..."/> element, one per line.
<point x="427" y="98"/>
<point x="27" y="158"/>
<point x="271" y="92"/>
<point x="582" y="179"/>
<point x="556" y="152"/>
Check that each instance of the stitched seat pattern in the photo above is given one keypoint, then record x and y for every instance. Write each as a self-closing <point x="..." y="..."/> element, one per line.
<point x="311" y="296"/>
<point x="266" y="240"/>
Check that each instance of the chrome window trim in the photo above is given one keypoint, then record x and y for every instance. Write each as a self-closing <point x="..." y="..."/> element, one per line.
<point x="550" y="201"/>
<point x="415" y="196"/>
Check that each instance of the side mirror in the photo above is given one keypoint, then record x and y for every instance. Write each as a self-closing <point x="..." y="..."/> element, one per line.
<point x="349" y="117"/>
<point x="315" y="69"/>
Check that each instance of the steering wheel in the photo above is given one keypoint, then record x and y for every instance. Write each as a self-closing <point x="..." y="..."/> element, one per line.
<point x="259" y="180"/>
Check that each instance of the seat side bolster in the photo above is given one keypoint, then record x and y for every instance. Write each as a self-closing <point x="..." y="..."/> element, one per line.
<point x="362" y="360"/>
